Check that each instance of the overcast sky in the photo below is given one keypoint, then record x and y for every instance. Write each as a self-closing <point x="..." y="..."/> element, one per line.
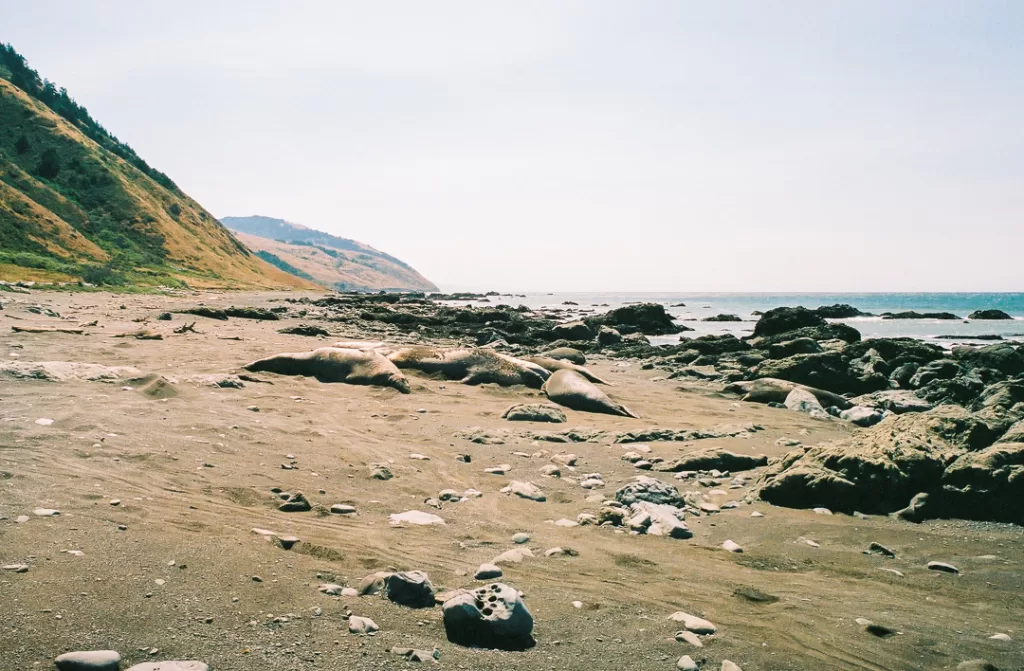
<point x="554" y="145"/>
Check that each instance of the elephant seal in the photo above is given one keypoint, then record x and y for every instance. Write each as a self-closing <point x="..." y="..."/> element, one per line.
<point x="774" y="390"/>
<point x="360" y="344"/>
<point x="569" y="388"/>
<point x="567" y="353"/>
<point x="336" y="364"/>
<point x="471" y="365"/>
<point x="554" y="365"/>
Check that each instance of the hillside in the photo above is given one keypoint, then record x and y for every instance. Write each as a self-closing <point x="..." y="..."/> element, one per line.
<point x="339" y="263"/>
<point x="76" y="203"/>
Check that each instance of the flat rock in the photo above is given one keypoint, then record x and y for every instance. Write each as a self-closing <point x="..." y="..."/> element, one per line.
<point x="697" y="625"/>
<point x="89" y="660"/>
<point x="689" y="637"/>
<point x="534" y="412"/>
<point x="942" y="566"/>
<point x="191" y="665"/>
<point x="414" y="517"/>
<point x="878" y="548"/>
<point x="330" y="589"/>
<point x="296" y="503"/>
<point x="17" y="568"/>
<point x="731" y="546"/>
<point x="488" y="572"/>
<point x="45" y="512"/>
<point x="343" y="509"/>
<point x="524" y="490"/>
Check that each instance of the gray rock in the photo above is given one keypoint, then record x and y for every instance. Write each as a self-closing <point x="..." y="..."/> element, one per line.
<point x="697" y="625"/>
<point x="45" y="512"/>
<point x="415" y="655"/>
<point x="801" y="400"/>
<point x="343" y="509"/>
<point x="942" y="566"/>
<point x="878" y="548"/>
<point x="489" y="617"/>
<point x="648" y="489"/>
<point x="524" y="490"/>
<point x="861" y="415"/>
<point x="521" y="538"/>
<point x="89" y="660"/>
<point x="17" y="568"/>
<point x="380" y="472"/>
<point x="686" y="663"/>
<point x="410" y="588"/>
<point x="362" y="626"/>
<point x="534" y="412"/>
<point x="488" y="572"/>
<point x="658" y="519"/>
<point x="513" y="556"/>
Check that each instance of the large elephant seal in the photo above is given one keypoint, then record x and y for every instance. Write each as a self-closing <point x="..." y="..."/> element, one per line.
<point x="471" y="365"/>
<point x="774" y="390"/>
<point x="361" y="344"/>
<point x="555" y="365"/>
<point x="336" y="364"/>
<point x="569" y="388"/>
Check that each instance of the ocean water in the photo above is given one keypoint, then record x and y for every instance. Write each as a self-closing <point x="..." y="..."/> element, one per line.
<point x="689" y="309"/>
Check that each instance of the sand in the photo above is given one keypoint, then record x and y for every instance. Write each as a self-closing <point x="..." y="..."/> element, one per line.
<point x="192" y="467"/>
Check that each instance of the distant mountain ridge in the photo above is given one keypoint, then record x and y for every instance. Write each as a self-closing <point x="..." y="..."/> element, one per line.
<point x="78" y="204"/>
<point x="330" y="260"/>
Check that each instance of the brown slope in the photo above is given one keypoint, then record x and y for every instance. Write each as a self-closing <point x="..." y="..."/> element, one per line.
<point x="100" y="209"/>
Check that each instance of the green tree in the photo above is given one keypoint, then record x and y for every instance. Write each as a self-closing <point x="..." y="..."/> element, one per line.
<point x="49" y="164"/>
<point x="21" y="146"/>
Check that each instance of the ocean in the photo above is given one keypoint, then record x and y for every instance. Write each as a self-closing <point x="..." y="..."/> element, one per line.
<point x="695" y="307"/>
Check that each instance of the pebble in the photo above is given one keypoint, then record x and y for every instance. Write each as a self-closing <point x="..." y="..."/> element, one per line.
<point x="689" y="637"/>
<point x="362" y="625"/>
<point x="756" y="514"/>
<point x="419" y="457"/>
<point x="893" y="571"/>
<point x="521" y="538"/>
<point x="21" y="519"/>
<point x="45" y="512"/>
<point x="566" y="523"/>
<point x="730" y="666"/>
<point x="878" y="548"/>
<point x="976" y="665"/>
<point x="44" y="421"/>
<point x="415" y="517"/>
<point x="17" y="568"/>
<point x="697" y="625"/>
<point x="686" y="663"/>
<point x="115" y="502"/>
<point x="89" y="660"/>
<point x="942" y="566"/>
<point x="577" y="604"/>
<point x="190" y="665"/>
<point x="1000" y="637"/>
<point x="731" y="546"/>
<point x="487" y="572"/>
<point x="343" y="509"/>
<point x="414" y="655"/>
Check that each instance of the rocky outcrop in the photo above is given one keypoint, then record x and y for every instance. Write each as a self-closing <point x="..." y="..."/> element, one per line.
<point x="494" y="616"/>
<point x="646" y="318"/>
<point x="989" y="314"/>
<point x="784" y="320"/>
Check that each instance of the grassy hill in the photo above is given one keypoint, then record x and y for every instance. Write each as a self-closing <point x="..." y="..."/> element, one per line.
<point x="76" y="203"/>
<point x="335" y="262"/>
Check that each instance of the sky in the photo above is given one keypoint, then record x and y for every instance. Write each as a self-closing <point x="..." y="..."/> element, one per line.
<point x="558" y="145"/>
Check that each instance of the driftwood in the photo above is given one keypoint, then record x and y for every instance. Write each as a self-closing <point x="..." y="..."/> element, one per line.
<point x="31" y="329"/>
<point x="144" y="334"/>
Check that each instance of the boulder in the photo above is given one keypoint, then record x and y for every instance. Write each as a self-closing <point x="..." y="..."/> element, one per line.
<point x="989" y="314"/>
<point x="296" y="503"/>
<point x="416" y="517"/>
<point x="607" y="336"/>
<point x="656" y="519"/>
<point x="648" y="489"/>
<point x="722" y="318"/>
<point x="710" y="344"/>
<point x="897" y="351"/>
<point x="986" y="485"/>
<point x="534" y="412"/>
<point x="910" y="314"/>
<point x="1005" y="395"/>
<point x="788" y="348"/>
<point x="783" y="320"/>
<point x="89" y="660"/>
<point x="894" y="400"/>
<point x="410" y="588"/>
<point x="524" y="490"/>
<point x="839" y="311"/>
<point x="647" y="318"/>
<point x="1003" y="357"/>
<point x="494" y="616"/>
<point x="825" y="370"/>
<point x="576" y="330"/>
<point x="940" y="369"/>
<point x="838" y="335"/>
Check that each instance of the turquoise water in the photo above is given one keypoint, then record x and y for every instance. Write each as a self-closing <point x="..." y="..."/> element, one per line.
<point x="698" y="306"/>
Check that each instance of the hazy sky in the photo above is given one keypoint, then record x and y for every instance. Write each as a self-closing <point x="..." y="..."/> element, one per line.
<point x="555" y="145"/>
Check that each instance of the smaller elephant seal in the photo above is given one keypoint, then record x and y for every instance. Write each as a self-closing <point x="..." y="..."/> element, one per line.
<point x="360" y="344"/>
<point x="554" y="365"/>
<point x="569" y="388"/>
<point x="336" y="364"/>
<point x="568" y="354"/>
<point x="773" y="390"/>
<point x="471" y="365"/>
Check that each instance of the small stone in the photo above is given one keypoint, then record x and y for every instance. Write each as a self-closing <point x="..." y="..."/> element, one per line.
<point x="253" y="408"/>
<point x="878" y="548"/>
<point x="89" y="660"/>
<point x="414" y="655"/>
<point x="521" y="538"/>
<point x="122" y="527"/>
<point x="287" y="542"/>
<point x="756" y="514"/>
<point x="190" y="665"/>
<point x="256" y="578"/>
<point x="730" y="666"/>
<point x="685" y="663"/>
<point x="296" y="503"/>
<point x="689" y="637"/>
<point x="17" y="568"/>
<point x="419" y="457"/>
<point x="362" y="626"/>
<point x="1000" y="637"/>
<point x="44" y="421"/>
<point x="414" y="517"/>
<point x="487" y="572"/>
<point x="21" y="519"/>
<point x="115" y="502"/>
<point x="893" y="571"/>
<point x="525" y="490"/>
<point x="731" y="546"/>
<point x="822" y="511"/>
<point x="343" y="509"/>
<point x="514" y="556"/>
<point x="45" y="512"/>
<point x="380" y="472"/>
<point x="942" y="566"/>
<point x="566" y="523"/>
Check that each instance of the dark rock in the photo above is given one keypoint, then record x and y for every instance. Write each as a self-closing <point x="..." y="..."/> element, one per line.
<point x="836" y="331"/>
<point x="608" y="336"/>
<point x="722" y="318"/>
<point x="410" y="588"/>
<point x="577" y="330"/>
<point x="940" y="369"/>
<point x="961" y="390"/>
<point x="648" y="318"/>
<point x="165" y="316"/>
<point x="840" y="311"/>
<point x="986" y="485"/>
<point x="567" y="353"/>
<point x="305" y="330"/>
<point x="296" y="503"/>
<point x="878" y="548"/>
<point x="783" y="320"/>
<point x="894" y="400"/>
<point x="897" y="351"/>
<point x="825" y="370"/>
<point x="89" y="660"/>
<point x="1004" y="357"/>
<point x="494" y="616"/>
<point x="989" y="314"/>
<point x="903" y="374"/>
<point x="790" y="347"/>
<point x="713" y="458"/>
<point x="715" y="344"/>
<point x="976" y="665"/>
<point x="919" y="315"/>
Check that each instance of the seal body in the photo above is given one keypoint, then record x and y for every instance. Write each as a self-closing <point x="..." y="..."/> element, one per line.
<point x="471" y="365"/>
<point x="554" y="365"/>
<point x="336" y="364"/>
<point x="569" y="388"/>
<point x="773" y="390"/>
<point x="567" y="353"/>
